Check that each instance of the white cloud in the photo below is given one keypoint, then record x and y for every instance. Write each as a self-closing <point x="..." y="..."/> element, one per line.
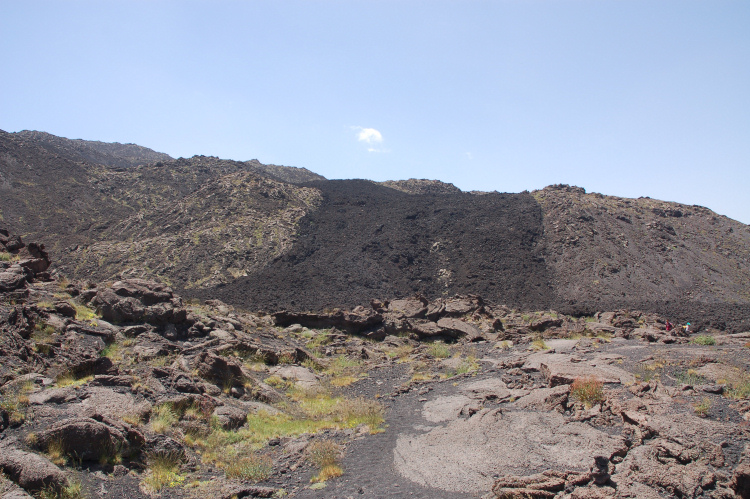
<point x="369" y="135"/>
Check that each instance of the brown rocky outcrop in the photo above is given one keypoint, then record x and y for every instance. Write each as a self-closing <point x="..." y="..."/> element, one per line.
<point x="139" y="300"/>
<point x="31" y="471"/>
<point x="741" y="478"/>
<point x="356" y="321"/>
<point x="220" y="370"/>
<point x="29" y="261"/>
<point x="442" y="318"/>
<point x="91" y="438"/>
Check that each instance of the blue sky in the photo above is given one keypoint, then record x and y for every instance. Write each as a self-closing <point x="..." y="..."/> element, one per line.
<point x="629" y="98"/>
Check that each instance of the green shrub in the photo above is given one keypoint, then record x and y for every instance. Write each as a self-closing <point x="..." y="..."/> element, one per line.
<point x="704" y="339"/>
<point x="690" y="377"/>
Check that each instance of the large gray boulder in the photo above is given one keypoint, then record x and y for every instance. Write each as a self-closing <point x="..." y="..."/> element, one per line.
<point x="31" y="471"/>
<point x="91" y="439"/>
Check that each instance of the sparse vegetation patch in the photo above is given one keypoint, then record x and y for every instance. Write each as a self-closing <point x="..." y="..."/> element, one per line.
<point x="589" y="391"/>
<point x="326" y="456"/>
<point x="253" y="467"/>
<point x="163" y="470"/>
<point x="439" y="350"/>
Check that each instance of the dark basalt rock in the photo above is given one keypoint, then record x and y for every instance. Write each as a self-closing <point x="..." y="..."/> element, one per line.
<point x="139" y="300"/>
<point x="90" y="438"/>
<point x="351" y="322"/>
<point x="31" y="471"/>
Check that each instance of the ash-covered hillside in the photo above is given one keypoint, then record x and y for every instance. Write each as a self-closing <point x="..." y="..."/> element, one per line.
<point x="266" y="237"/>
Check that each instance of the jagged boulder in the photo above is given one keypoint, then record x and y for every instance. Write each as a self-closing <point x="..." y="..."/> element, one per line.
<point x="230" y="417"/>
<point x="454" y="307"/>
<point x="31" y="260"/>
<point x="10" y="490"/>
<point x="459" y="328"/>
<point x="427" y="329"/>
<point x="12" y="279"/>
<point x="139" y="300"/>
<point x="223" y="371"/>
<point x="300" y="376"/>
<point x="16" y="325"/>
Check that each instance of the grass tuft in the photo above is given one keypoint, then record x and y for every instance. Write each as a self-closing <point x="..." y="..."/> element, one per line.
<point x="74" y="490"/>
<point x="56" y="452"/>
<point x="163" y="418"/>
<point x="701" y="409"/>
<point x="42" y="338"/>
<point x="72" y="379"/>
<point x="400" y="353"/>
<point x="163" y="471"/>
<point x="589" y="391"/>
<point x="439" y="350"/>
<point x="253" y="468"/>
<point x="690" y="377"/>
<point x="84" y="313"/>
<point x="14" y="400"/>
<point x="113" y="352"/>
<point x="539" y="344"/>
<point x="326" y="456"/>
<point x="739" y="388"/>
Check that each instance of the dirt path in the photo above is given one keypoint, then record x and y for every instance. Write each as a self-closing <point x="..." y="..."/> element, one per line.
<point x="369" y="461"/>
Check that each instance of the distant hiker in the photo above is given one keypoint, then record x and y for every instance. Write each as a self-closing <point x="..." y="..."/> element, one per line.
<point x="686" y="327"/>
<point x="669" y="326"/>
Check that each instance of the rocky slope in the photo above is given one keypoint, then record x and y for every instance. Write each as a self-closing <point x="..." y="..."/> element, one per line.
<point x="605" y="252"/>
<point x="104" y="153"/>
<point x="122" y="389"/>
<point x="270" y="237"/>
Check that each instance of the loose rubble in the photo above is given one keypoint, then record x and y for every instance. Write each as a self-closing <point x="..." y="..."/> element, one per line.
<point x="103" y="383"/>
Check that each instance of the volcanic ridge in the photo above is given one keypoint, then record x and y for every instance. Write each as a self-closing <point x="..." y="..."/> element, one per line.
<point x="199" y="327"/>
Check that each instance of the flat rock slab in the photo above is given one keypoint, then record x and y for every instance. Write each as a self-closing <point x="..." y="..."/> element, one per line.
<point x="561" y="346"/>
<point x="544" y="398"/>
<point x="689" y="429"/>
<point x="534" y="361"/>
<point x="492" y="388"/>
<point x="110" y="403"/>
<point x="464" y="455"/>
<point x="565" y="373"/>
<point x="300" y="376"/>
<point x="715" y="371"/>
<point x="53" y="396"/>
<point x="449" y="408"/>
